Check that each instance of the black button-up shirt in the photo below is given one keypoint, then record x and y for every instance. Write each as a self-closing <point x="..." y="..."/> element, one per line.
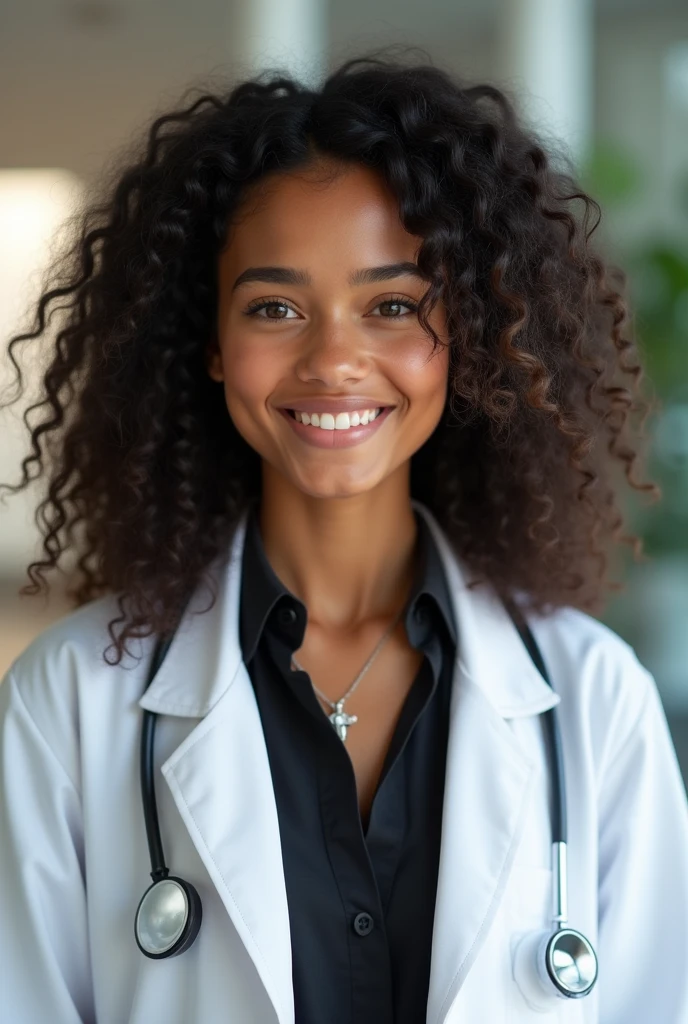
<point x="361" y="902"/>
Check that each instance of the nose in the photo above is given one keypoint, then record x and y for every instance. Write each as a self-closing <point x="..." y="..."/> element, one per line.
<point x="333" y="354"/>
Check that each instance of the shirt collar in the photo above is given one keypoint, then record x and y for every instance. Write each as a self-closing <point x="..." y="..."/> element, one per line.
<point x="262" y="591"/>
<point x="430" y="590"/>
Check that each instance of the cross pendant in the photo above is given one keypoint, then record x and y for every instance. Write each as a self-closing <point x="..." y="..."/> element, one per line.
<point x="340" y="720"/>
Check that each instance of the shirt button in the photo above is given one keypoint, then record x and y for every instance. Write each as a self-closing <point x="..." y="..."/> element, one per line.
<point x="286" y="616"/>
<point x="363" y="924"/>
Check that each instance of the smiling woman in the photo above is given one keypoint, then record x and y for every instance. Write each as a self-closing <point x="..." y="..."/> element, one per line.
<point x="333" y="421"/>
<point x="274" y="185"/>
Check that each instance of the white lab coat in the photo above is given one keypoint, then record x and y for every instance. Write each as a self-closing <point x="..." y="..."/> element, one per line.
<point x="74" y="860"/>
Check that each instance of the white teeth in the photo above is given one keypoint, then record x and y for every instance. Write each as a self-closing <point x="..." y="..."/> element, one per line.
<point x="342" y="421"/>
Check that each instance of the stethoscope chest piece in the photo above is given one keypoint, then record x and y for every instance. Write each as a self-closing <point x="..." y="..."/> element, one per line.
<point x="571" y="963"/>
<point x="168" y="918"/>
<point x="550" y="966"/>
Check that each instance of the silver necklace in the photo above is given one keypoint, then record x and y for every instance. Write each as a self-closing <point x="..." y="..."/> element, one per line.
<point x="339" y="718"/>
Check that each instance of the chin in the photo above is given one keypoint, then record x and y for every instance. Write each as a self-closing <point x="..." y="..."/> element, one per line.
<point x="334" y="485"/>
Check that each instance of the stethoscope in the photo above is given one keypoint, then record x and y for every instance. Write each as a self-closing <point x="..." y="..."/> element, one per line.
<point x="560" y="962"/>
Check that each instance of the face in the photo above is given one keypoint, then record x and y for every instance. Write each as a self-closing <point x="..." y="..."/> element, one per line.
<point x="327" y="373"/>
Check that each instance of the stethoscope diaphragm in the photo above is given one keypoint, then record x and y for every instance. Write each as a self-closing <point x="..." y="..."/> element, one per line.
<point x="550" y="966"/>
<point x="571" y="963"/>
<point x="168" y="918"/>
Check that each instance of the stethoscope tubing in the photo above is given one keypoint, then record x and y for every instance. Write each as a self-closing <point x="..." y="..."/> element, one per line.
<point x="551" y="723"/>
<point x="169" y="915"/>
<point x="147" y="771"/>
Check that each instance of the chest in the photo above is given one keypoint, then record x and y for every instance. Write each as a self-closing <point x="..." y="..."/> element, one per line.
<point x="377" y="704"/>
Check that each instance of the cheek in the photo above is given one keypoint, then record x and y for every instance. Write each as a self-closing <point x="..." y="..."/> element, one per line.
<point x="422" y="376"/>
<point x="250" y="376"/>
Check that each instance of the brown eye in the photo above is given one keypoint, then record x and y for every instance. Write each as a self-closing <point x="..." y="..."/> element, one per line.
<point x="394" y="307"/>
<point x="276" y="305"/>
<point x="272" y="304"/>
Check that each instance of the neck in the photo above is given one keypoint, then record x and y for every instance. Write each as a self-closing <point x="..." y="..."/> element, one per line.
<point x="348" y="559"/>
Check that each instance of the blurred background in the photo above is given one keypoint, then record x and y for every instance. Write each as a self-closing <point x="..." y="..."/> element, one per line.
<point x="605" y="79"/>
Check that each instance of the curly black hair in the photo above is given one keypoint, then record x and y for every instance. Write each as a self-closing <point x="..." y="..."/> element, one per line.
<point x="147" y="476"/>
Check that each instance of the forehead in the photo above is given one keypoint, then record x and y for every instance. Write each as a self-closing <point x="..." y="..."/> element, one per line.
<point x="326" y="212"/>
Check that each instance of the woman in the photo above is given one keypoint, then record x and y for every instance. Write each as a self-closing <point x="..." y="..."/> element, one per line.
<point x="340" y="395"/>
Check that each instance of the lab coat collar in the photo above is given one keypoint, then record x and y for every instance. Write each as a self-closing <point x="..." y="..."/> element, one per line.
<point x="490" y="650"/>
<point x="205" y="653"/>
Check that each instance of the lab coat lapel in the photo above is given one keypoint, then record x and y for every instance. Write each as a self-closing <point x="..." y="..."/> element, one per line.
<point x="220" y="779"/>
<point x="487" y="786"/>
<point x="488" y="780"/>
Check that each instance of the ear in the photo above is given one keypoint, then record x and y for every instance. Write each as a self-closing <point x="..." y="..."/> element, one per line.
<point x="213" y="361"/>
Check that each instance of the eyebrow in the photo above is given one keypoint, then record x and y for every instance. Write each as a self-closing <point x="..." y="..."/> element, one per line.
<point x="366" y="275"/>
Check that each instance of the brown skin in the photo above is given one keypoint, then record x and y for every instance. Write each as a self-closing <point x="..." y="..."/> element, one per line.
<point x="337" y="524"/>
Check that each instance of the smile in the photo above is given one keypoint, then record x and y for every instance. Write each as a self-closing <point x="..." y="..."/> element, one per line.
<point x="342" y="421"/>
<point x="340" y="430"/>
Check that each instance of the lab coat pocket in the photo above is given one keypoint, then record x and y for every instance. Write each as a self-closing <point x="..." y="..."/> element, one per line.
<point x="529" y="912"/>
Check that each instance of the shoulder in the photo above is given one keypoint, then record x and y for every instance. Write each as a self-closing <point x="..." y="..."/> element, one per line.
<point x="74" y="644"/>
<point x="605" y="690"/>
<point x="52" y="683"/>
<point x="578" y="634"/>
<point x="596" y="673"/>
